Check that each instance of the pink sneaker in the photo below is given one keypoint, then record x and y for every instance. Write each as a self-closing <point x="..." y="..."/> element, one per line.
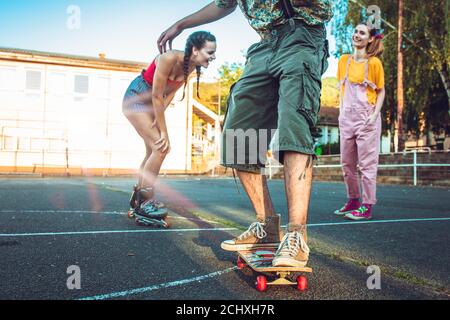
<point x="363" y="213"/>
<point x="351" y="205"/>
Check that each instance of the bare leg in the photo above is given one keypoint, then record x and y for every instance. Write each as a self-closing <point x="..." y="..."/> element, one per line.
<point x="148" y="153"/>
<point x="298" y="180"/>
<point x="150" y="168"/>
<point x="266" y="232"/>
<point x="255" y="185"/>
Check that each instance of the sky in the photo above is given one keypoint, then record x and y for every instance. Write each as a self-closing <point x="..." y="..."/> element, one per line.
<point x="123" y="29"/>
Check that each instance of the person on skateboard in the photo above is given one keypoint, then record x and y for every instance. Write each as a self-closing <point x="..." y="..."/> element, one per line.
<point x="277" y="97"/>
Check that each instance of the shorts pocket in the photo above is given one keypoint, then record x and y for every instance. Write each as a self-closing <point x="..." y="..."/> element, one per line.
<point x="309" y="104"/>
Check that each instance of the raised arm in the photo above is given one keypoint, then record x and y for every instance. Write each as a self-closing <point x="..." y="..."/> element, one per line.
<point x="208" y="14"/>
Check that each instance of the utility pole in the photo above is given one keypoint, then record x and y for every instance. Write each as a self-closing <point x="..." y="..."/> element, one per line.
<point x="399" y="137"/>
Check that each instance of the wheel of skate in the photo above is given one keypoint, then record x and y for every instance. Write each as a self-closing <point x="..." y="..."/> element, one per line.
<point x="302" y="283"/>
<point x="241" y="263"/>
<point x="261" y="283"/>
<point x="131" y="214"/>
<point x="166" y="224"/>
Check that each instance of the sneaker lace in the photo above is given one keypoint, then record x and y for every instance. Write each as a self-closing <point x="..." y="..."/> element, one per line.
<point x="362" y="209"/>
<point x="256" y="229"/>
<point x="291" y="243"/>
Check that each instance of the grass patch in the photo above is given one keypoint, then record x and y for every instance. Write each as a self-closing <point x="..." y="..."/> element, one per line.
<point x="399" y="274"/>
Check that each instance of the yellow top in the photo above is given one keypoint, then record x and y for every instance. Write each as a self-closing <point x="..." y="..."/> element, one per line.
<point x="356" y="74"/>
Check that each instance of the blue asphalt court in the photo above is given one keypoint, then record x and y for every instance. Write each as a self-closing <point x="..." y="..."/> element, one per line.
<point x="71" y="239"/>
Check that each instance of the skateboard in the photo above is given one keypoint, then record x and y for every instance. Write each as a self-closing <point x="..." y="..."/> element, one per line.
<point x="260" y="261"/>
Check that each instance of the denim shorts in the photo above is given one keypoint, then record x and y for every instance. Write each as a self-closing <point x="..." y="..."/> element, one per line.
<point x="131" y="101"/>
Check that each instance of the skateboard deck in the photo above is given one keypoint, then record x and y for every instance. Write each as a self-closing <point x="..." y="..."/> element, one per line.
<point x="260" y="261"/>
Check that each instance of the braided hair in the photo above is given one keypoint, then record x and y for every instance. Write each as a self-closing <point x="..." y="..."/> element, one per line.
<point x="197" y="40"/>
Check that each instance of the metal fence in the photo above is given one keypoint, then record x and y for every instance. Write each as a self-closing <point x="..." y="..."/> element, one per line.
<point x="273" y="169"/>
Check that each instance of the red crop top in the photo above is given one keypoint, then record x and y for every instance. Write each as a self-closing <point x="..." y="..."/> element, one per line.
<point x="149" y="74"/>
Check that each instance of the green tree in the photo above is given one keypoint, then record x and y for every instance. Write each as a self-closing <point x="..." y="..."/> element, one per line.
<point x="229" y="75"/>
<point x="211" y="93"/>
<point x="330" y="93"/>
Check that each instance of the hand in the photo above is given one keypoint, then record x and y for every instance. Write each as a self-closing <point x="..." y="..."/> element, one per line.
<point x="168" y="35"/>
<point x="163" y="144"/>
<point x="372" y="119"/>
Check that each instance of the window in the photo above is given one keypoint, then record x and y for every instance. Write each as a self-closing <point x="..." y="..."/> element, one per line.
<point x="57" y="144"/>
<point x="24" y="143"/>
<point x="9" y="143"/>
<point x="33" y="80"/>
<point x="38" y="144"/>
<point x="81" y="84"/>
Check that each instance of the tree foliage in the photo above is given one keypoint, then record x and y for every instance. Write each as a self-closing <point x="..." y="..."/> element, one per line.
<point x="211" y="92"/>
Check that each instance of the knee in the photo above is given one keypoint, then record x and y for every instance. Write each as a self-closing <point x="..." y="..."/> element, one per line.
<point x="158" y="153"/>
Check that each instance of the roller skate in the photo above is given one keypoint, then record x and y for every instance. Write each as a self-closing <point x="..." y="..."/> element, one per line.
<point x="134" y="204"/>
<point x="147" y="213"/>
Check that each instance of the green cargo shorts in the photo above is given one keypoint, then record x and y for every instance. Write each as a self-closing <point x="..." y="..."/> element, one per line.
<point x="275" y="104"/>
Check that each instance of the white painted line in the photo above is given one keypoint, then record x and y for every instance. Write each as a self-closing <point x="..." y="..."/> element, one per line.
<point x="377" y="221"/>
<point x="46" y="234"/>
<point x="207" y="229"/>
<point x="93" y="212"/>
<point x="62" y="211"/>
<point x="158" y="286"/>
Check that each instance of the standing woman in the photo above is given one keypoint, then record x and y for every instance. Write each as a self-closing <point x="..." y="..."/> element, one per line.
<point x="144" y="105"/>
<point x="361" y="77"/>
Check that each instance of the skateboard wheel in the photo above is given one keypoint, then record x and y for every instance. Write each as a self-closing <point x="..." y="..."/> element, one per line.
<point x="261" y="283"/>
<point x="302" y="283"/>
<point x="240" y="264"/>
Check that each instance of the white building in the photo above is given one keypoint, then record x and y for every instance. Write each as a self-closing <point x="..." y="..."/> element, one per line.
<point x="329" y="125"/>
<point x="63" y="114"/>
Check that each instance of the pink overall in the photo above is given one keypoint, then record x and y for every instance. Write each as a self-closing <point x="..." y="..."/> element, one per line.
<point x="360" y="142"/>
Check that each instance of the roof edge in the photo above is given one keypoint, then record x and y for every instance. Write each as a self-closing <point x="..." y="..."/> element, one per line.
<point x="33" y="56"/>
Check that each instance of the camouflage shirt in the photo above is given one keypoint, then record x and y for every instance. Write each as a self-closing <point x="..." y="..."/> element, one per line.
<point x="263" y="14"/>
